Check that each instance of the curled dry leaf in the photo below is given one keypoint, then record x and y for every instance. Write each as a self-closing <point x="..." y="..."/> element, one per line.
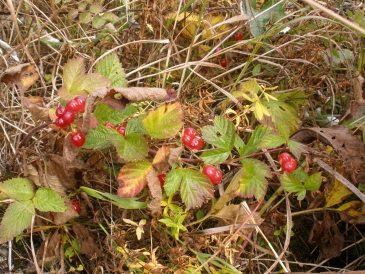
<point x="23" y="76"/>
<point x="139" y="94"/>
<point x="156" y="192"/>
<point x="165" y="157"/>
<point x="36" y="107"/>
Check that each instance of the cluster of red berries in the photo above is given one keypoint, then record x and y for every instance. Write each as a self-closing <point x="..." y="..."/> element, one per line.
<point x="214" y="175"/>
<point x="66" y="116"/>
<point x="287" y="162"/>
<point x="191" y="141"/>
<point x="121" y="129"/>
<point x="224" y="62"/>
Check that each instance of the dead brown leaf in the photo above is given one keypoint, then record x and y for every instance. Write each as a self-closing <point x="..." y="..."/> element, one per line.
<point x="49" y="249"/>
<point x="86" y="242"/>
<point x="156" y="192"/>
<point x="36" y="107"/>
<point x="23" y="75"/>
<point x="139" y="94"/>
<point x="165" y="157"/>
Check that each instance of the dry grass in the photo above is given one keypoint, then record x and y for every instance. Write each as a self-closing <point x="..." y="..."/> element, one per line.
<point x="155" y="53"/>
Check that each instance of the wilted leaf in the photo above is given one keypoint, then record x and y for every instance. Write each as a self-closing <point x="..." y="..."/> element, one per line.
<point x="36" y="107"/>
<point x="194" y="186"/>
<point x="221" y="135"/>
<point x="139" y="94"/>
<point x="132" y="178"/>
<point x="111" y="68"/>
<point x="161" y="160"/>
<point x="86" y="241"/>
<point x="338" y="193"/>
<point x="17" y="217"/>
<point x="23" y="76"/>
<point x="46" y="199"/>
<point x="156" y="192"/>
<point x="165" y="121"/>
<point x="18" y="189"/>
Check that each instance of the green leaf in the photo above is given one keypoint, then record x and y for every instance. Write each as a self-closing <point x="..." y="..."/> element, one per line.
<point x="98" y="21"/>
<point x="221" y="135"/>
<point x="300" y="174"/>
<point x="291" y="183"/>
<point x="256" y="70"/>
<point x="272" y="141"/>
<point x="295" y="99"/>
<point x="18" y="189"/>
<point x="111" y="17"/>
<point x="47" y="199"/>
<point x="131" y="148"/>
<point x="253" y="143"/>
<point x="97" y="138"/>
<point x="111" y="68"/>
<point x="17" y="217"/>
<point x="214" y="156"/>
<point x="313" y="182"/>
<point x="165" y="121"/>
<point x="295" y="148"/>
<point x="132" y="178"/>
<point x="126" y="203"/>
<point x="136" y="126"/>
<point x="85" y="17"/>
<point x="194" y="186"/>
<point x="238" y="143"/>
<point x="253" y="181"/>
<point x="96" y="8"/>
<point x="301" y="194"/>
<point x="105" y="114"/>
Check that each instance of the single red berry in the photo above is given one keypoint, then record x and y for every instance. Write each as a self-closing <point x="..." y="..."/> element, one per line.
<point x="161" y="178"/>
<point x="72" y="106"/>
<point x="109" y="125"/>
<point x="60" y="111"/>
<point x="239" y="36"/>
<point x="60" y="122"/>
<point x="76" y="205"/>
<point x="196" y="143"/>
<point x="81" y="101"/>
<point x="190" y="131"/>
<point x="284" y="157"/>
<point x="214" y="175"/>
<point x="51" y="215"/>
<point x="68" y="117"/>
<point x="186" y="140"/>
<point x="289" y="166"/>
<point x="121" y="129"/>
<point x="223" y="62"/>
<point x="78" y="139"/>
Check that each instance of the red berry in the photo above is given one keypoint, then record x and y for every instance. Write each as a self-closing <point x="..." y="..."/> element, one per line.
<point x="78" y="139"/>
<point x="186" y="139"/>
<point x="51" y="215"/>
<point x="76" y="205"/>
<point x="162" y="178"/>
<point x="289" y="166"/>
<point x="196" y="143"/>
<point x="223" y="62"/>
<point x="239" y="36"/>
<point x="284" y="157"/>
<point x="81" y="101"/>
<point x="214" y="175"/>
<point x="60" y="122"/>
<point x="190" y="131"/>
<point x="121" y="129"/>
<point x="68" y="117"/>
<point x="109" y="125"/>
<point x="60" y="111"/>
<point x="72" y="106"/>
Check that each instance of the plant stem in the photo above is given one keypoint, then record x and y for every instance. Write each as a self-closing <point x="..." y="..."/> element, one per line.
<point x="272" y="198"/>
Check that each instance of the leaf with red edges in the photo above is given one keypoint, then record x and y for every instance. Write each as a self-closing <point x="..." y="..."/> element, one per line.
<point x="132" y="178"/>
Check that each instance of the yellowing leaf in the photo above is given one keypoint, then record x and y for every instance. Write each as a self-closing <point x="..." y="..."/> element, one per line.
<point x="165" y="121"/>
<point x="338" y="193"/>
<point x="132" y="178"/>
<point x="260" y="110"/>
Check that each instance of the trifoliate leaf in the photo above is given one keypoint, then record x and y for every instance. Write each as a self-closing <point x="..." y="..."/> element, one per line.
<point x="221" y="134"/>
<point x="214" y="156"/>
<point x="253" y="143"/>
<point x="132" y="178"/>
<point x="165" y="121"/>
<point x="17" y="217"/>
<point x="194" y="186"/>
<point x="47" y="199"/>
<point x="18" y="189"/>
<point x="111" y="68"/>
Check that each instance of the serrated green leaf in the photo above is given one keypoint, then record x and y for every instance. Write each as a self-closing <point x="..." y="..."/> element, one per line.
<point x="313" y="182"/>
<point x="85" y="17"/>
<point x="295" y="99"/>
<point x="291" y="183"/>
<point x="214" y="156"/>
<point x="194" y="186"/>
<point x="165" y="121"/>
<point x="99" y="138"/>
<point x="91" y="82"/>
<point x="98" y="21"/>
<point x="131" y="148"/>
<point x="73" y="70"/>
<point x="111" y="68"/>
<point x="300" y="174"/>
<point x="253" y="143"/>
<point x="17" y="217"/>
<point x="111" y="17"/>
<point x="272" y="141"/>
<point x="96" y="8"/>
<point x="301" y="194"/>
<point x="126" y="203"/>
<point x="295" y="148"/>
<point x="221" y="134"/>
<point x="47" y="199"/>
<point x="18" y="189"/>
<point x="104" y="114"/>
<point x="238" y="143"/>
<point x="132" y="178"/>
<point x="136" y="126"/>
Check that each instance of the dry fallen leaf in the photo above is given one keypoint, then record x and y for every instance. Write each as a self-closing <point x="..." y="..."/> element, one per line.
<point x="23" y="76"/>
<point x="155" y="190"/>
<point x="36" y="107"/>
